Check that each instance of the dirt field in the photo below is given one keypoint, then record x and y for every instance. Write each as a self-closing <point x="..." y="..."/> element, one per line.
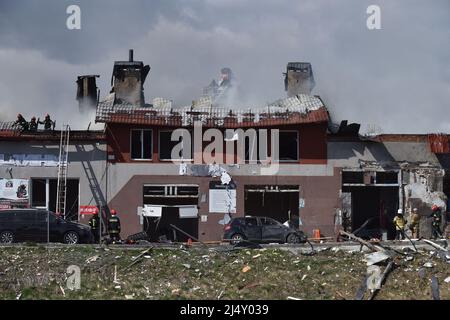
<point x="36" y="272"/>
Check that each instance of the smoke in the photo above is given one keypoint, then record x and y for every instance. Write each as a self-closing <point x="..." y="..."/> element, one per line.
<point x="394" y="78"/>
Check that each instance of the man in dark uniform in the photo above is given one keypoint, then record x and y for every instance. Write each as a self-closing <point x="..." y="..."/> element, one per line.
<point x="33" y="125"/>
<point x="21" y="122"/>
<point x="114" y="227"/>
<point x="94" y="223"/>
<point x="436" y="215"/>
<point x="48" y="123"/>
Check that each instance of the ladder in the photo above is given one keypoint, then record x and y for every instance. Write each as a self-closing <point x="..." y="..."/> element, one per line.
<point x="62" y="171"/>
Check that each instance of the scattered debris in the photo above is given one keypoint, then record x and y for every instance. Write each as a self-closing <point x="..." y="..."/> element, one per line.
<point x="435" y="288"/>
<point x="92" y="259"/>
<point x="447" y="280"/>
<point x="428" y="265"/>
<point x="376" y="257"/>
<point x="257" y="256"/>
<point x="246" y="269"/>
<point x="293" y="298"/>
<point x="384" y="275"/>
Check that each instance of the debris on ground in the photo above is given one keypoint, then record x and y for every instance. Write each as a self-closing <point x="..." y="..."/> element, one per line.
<point x="39" y="272"/>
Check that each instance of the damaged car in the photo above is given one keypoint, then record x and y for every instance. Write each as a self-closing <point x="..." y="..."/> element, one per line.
<point x="261" y="229"/>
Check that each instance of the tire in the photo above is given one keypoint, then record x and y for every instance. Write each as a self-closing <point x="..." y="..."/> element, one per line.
<point x="71" y="237"/>
<point x="236" y="238"/>
<point x="293" y="238"/>
<point x="6" y="237"/>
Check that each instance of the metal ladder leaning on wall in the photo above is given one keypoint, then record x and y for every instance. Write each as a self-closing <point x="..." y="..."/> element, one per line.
<point x="61" y="191"/>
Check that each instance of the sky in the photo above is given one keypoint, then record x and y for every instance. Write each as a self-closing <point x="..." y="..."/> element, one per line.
<point x="395" y="79"/>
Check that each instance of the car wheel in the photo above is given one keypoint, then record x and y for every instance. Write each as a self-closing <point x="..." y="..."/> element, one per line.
<point x="293" y="238"/>
<point x="6" y="237"/>
<point x="236" y="238"/>
<point x="71" y="237"/>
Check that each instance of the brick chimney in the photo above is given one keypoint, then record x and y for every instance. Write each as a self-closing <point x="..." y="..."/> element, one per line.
<point x="87" y="93"/>
<point x="299" y="78"/>
<point x="128" y="81"/>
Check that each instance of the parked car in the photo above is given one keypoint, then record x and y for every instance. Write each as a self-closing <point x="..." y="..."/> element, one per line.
<point x="17" y="225"/>
<point x="261" y="229"/>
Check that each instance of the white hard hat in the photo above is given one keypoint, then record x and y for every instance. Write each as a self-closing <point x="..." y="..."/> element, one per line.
<point x="400" y="211"/>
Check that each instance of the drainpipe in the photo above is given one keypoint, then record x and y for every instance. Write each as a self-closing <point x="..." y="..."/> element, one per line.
<point x="401" y="191"/>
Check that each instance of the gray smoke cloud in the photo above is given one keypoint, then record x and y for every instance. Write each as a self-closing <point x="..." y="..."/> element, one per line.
<point x="397" y="78"/>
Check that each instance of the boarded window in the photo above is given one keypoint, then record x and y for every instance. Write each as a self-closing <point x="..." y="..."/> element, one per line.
<point x="141" y="144"/>
<point x="288" y="145"/>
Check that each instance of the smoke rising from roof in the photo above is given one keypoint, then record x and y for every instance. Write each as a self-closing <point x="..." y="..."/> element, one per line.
<point x="396" y="77"/>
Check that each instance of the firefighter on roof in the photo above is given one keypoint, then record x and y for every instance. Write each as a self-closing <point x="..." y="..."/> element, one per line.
<point x="33" y="125"/>
<point x="21" y="122"/>
<point x="48" y="123"/>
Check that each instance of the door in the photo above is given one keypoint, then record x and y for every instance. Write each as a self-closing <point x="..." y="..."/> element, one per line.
<point x="24" y="222"/>
<point x="39" y="229"/>
<point x="252" y="229"/>
<point x="272" y="230"/>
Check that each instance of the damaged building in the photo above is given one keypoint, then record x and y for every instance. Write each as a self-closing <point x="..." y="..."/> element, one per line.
<point x="327" y="178"/>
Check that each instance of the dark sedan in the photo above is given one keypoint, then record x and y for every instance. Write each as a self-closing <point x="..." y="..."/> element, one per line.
<point x="261" y="229"/>
<point x="18" y="225"/>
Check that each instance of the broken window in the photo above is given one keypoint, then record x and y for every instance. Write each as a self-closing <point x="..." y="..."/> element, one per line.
<point x="352" y="177"/>
<point x="166" y="145"/>
<point x="141" y="144"/>
<point x="39" y="193"/>
<point x="288" y="145"/>
<point x="387" y="177"/>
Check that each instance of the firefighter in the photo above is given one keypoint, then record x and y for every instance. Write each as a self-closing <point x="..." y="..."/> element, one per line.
<point x="415" y="221"/>
<point x="21" y="122"/>
<point x="94" y="223"/>
<point x="436" y="216"/>
<point x="33" y="125"/>
<point x="400" y="223"/>
<point x="48" y="123"/>
<point x="114" y="227"/>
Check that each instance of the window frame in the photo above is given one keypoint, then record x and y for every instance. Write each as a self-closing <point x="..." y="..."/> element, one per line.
<point x="142" y="145"/>
<point x="298" y="147"/>
<point x="174" y="160"/>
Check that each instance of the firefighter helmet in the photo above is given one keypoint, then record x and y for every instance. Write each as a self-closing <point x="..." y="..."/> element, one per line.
<point x="113" y="212"/>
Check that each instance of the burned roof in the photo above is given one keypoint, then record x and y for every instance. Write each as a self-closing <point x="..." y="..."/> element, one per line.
<point x="9" y="132"/>
<point x="294" y="110"/>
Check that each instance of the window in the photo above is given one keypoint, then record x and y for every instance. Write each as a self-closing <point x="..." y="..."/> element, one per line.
<point x="288" y="146"/>
<point x="252" y="222"/>
<point x="269" y="222"/>
<point x="166" y="146"/>
<point x="141" y="144"/>
<point x="39" y="193"/>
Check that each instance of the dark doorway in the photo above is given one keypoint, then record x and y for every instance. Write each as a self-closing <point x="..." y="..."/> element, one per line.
<point x="170" y="198"/>
<point x="379" y="204"/>
<point x="278" y="202"/>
